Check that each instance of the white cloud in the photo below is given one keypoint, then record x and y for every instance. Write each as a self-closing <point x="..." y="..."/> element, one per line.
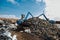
<point x="13" y="2"/>
<point x="53" y="9"/>
<point x="8" y="16"/>
<point x="38" y="0"/>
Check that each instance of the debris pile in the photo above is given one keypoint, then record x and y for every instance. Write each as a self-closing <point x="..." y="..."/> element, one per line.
<point x="44" y="29"/>
<point x="38" y="29"/>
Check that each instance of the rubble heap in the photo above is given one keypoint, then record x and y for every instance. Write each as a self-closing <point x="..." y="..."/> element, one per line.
<point x="40" y="30"/>
<point x="44" y="29"/>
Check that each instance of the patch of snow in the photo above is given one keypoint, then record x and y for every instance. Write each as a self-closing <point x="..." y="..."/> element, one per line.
<point x="14" y="37"/>
<point x="27" y="30"/>
<point x="58" y="25"/>
<point x="12" y="26"/>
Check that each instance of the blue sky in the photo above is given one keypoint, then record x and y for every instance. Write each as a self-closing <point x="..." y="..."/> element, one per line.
<point x="18" y="7"/>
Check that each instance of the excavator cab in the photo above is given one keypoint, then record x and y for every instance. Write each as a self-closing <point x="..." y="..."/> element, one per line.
<point x="23" y="22"/>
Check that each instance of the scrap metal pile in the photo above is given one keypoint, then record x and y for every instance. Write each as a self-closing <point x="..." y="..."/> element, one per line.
<point x="44" y="29"/>
<point x="40" y="30"/>
<point x="5" y="28"/>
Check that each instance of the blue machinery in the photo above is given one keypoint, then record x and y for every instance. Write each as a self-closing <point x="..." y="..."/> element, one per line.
<point x="22" y="20"/>
<point x="50" y="21"/>
<point x="25" y="18"/>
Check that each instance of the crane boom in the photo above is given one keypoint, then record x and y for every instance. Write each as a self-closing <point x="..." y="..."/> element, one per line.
<point x="28" y="15"/>
<point x="22" y="20"/>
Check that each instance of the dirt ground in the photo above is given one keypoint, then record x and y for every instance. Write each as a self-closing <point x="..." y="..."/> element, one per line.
<point x="25" y="36"/>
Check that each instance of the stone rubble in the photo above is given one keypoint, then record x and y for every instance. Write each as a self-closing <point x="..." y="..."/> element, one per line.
<point x="44" y="29"/>
<point x="40" y="30"/>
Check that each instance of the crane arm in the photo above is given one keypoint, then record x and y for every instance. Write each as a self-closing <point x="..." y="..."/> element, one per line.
<point x="50" y="21"/>
<point x="28" y="15"/>
<point x="20" y="20"/>
<point x="44" y="16"/>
